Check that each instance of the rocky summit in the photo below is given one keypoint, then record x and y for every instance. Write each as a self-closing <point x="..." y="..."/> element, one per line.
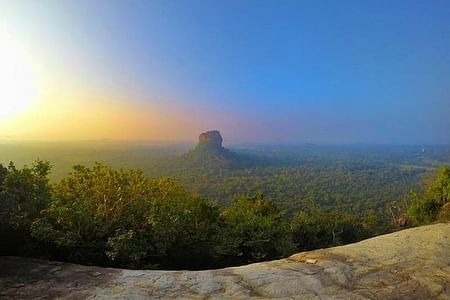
<point x="209" y="153"/>
<point x="409" y="264"/>
<point x="212" y="138"/>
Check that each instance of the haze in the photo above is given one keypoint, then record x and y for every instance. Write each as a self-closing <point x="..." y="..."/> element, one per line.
<point x="260" y="71"/>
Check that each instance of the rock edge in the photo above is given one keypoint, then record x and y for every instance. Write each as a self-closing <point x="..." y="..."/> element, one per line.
<point x="409" y="264"/>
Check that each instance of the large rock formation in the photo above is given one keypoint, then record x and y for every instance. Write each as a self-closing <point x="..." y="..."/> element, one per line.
<point x="212" y="138"/>
<point x="209" y="153"/>
<point x="409" y="264"/>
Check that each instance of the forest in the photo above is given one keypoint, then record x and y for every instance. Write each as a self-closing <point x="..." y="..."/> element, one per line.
<point x="123" y="218"/>
<point x="352" y="178"/>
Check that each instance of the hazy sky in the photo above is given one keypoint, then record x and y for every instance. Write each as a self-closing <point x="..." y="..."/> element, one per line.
<point x="259" y="71"/>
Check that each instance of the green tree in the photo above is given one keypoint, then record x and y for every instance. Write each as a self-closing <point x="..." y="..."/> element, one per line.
<point x="320" y="229"/>
<point x="184" y="226"/>
<point x="253" y="230"/>
<point x="426" y="208"/>
<point x="104" y="216"/>
<point x="90" y="206"/>
<point x="24" y="193"/>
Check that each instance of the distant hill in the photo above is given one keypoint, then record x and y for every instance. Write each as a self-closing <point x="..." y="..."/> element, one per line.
<point x="208" y="156"/>
<point x="209" y="153"/>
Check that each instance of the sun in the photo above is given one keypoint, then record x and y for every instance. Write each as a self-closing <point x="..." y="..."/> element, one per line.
<point x="17" y="80"/>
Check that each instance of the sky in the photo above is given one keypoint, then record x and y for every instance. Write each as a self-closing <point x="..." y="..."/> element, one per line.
<point x="327" y="72"/>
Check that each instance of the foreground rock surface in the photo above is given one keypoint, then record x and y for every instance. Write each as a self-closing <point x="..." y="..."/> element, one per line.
<point x="410" y="264"/>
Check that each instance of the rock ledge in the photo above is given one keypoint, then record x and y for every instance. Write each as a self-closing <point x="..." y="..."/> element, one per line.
<point x="409" y="264"/>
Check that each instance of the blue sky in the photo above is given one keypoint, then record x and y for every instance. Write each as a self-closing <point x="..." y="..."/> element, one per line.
<point x="265" y="71"/>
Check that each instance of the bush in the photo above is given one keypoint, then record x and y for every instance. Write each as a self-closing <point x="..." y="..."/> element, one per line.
<point x="23" y="195"/>
<point x="321" y="229"/>
<point x="444" y="213"/>
<point x="253" y="230"/>
<point x="99" y="215"/>
<point x="426" y="208"/>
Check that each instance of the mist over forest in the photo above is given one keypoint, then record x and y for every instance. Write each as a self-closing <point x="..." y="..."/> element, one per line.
<point x="254" y="202"/>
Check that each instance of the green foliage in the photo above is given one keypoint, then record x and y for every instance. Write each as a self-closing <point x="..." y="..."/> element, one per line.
<point x="5" y="207"/>
<point x="347" y="183"/>
<point x="296" y="178"/>
<point x="23" y="195"/>
<point x="444" y="213"/>
<point x="121" y="217"/>
<point x="321" y="229"/>
<point x="89" y="206"/>
<point x="428" y="207"/>
<point x="184" y="226"/>
<point x="253" y="230"/>
<point x="98" y="215"/>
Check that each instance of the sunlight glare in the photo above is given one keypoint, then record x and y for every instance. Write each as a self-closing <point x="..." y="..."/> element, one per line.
<point x="17" y="82"/>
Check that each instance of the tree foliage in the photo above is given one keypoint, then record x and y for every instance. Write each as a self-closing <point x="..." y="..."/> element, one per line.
<point x="253" y="229"/>
<point x="99" y="215"/>
<point x="321" y="229"/>
<point x="433" y="203"/>
<point x="121" y="217"/>
<point x="24" y="193"/>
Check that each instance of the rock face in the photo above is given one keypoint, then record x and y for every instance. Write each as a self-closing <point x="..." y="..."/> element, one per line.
<point x="209" y="153"/>
<point x="409" y="264"/>
<point x="212" y="138"/>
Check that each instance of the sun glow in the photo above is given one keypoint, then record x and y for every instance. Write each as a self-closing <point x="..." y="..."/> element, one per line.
<point x="17" y="81"/>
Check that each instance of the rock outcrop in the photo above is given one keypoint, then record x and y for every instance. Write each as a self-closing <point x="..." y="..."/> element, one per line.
<point x="212" y="138"/>
<point x="209" y="154"/>
<point x="409" y="264"/>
